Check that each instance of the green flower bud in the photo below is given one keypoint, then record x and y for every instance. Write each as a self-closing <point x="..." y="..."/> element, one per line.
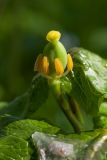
<point x="54" y="59"/>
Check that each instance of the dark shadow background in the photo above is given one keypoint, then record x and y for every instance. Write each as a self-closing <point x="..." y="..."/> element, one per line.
<point x="24" y="24"/>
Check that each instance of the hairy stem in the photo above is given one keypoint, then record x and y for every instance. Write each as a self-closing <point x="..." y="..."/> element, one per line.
<point x="75" y="108"/>
<point x="63" y="102"/>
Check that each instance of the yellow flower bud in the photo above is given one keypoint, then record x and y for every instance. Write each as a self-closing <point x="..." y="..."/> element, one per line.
<point x="58" y="66"/>
<point x="69" y="62"/>
<point x="53" y="35"/>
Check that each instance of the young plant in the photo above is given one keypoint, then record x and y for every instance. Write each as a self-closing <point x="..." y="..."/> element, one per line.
<point x="55" y="64"/>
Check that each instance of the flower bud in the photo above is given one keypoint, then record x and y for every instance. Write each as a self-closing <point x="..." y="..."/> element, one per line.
<point x="54" y="59"/>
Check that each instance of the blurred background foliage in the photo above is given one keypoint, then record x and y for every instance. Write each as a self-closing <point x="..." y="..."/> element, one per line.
<point x="24" y="24"/>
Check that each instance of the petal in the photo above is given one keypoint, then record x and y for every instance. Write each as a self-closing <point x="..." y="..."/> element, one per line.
<point x="38" y="63"/>
<point x="45" y="65"/>
<point x="69" y="62"/>
<point x="58" y="66"/>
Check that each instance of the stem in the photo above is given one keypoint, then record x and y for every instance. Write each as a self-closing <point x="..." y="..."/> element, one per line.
<point x="64" y="104"/>
<point x="76" y="109"/>
<point x="69" y="114"/>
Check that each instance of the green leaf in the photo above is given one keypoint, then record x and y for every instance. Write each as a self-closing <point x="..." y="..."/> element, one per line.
<point x="100" y="121"/>
<point x="15" y="139"/>
<point x="26" y="104"/>
<point x="89" y="84"/>
<point x="103" y="109"/>
<point x="12" y="147"/>
<point x="89" y="80"/>
<point x="38" y="94"/>
<point x="17" y="107"/>
<point x="25" y="128"/>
